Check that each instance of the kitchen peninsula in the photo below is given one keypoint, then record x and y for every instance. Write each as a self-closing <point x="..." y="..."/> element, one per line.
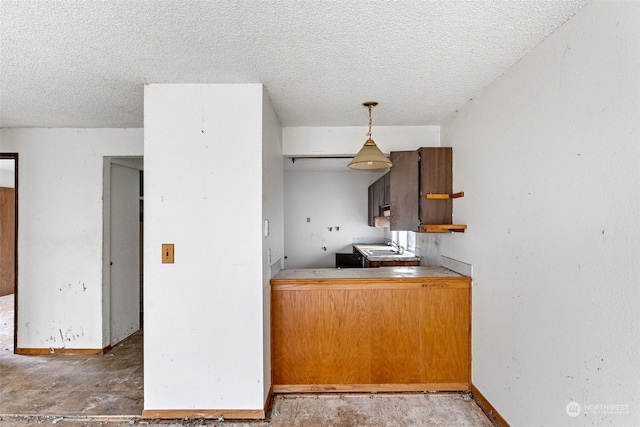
<point x="382" y="329"/>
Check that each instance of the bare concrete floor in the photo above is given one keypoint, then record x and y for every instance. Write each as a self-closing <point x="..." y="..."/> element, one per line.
<point x="109" y="384"/>
<point x="324" y="410"/>
<point x="107" y="390"/>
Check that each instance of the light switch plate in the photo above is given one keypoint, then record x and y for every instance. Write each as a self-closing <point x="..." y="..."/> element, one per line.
<point x="167" y="253"/>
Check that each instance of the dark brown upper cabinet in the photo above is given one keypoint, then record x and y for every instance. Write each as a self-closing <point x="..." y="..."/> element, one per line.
<point x="372" y="199"/>
<point x="404" y="188"/>
<point x="428" y="170"/>
<point x="378" y="198"/>
<point x="436" y="177"/>
<point x="418" y="190"/>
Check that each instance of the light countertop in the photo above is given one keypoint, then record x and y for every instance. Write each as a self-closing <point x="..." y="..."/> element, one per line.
<point x="332" y="274"/>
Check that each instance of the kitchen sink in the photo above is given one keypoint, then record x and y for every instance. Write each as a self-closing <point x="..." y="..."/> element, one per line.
<point x="383" y="251"/>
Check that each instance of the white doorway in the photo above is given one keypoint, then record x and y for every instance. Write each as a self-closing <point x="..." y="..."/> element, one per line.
<point x="8" y="250"/>
<point x="122" y="248"/>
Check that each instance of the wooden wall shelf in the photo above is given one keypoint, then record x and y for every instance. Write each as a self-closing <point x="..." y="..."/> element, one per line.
<point x="445" y="196"/>
<point x="443" y="228"/>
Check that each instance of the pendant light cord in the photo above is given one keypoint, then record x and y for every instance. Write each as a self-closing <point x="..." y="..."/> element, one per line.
<point x="369" y="133"/>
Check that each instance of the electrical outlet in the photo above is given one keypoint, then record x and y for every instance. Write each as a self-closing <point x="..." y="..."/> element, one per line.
<point x="167" y="253"/>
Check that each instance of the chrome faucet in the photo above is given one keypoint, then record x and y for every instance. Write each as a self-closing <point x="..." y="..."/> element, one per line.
<point x="398" y="248"/>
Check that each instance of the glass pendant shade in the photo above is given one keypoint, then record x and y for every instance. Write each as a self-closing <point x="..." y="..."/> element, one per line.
<point x="370" y="158"/>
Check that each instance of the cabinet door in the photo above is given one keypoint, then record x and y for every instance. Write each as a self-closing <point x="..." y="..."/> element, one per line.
<point x="396" y="356"/>
<point x="404" y="191"/>
<point x="352" y="260"/>
<point x="320" y="337"/>
<point x="7" y="241"/>
<point x="386" y="183"/>
<point x="380" y="192"/>
<point x="436" y="176"/>
<point x="378" y="196"/>
<point x="370" y="211"/>
<point x="445" y="335"/>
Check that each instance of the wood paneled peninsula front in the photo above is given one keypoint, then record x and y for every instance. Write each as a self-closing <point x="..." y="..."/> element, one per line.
<point x="368" y="330"/>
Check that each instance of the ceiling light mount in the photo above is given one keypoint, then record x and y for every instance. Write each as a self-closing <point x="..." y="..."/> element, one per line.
<point x="370" y="157"/>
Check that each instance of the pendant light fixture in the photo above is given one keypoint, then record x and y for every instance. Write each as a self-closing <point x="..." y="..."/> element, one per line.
<point x="370" y="157"/>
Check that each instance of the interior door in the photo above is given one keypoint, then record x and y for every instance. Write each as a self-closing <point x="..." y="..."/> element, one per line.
<point x="7" y="241"/>
<point x="124" y="253"/>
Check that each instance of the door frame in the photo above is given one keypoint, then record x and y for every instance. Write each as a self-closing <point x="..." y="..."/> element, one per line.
<point x="14" y="157"/>
<point x="132" y="162"/>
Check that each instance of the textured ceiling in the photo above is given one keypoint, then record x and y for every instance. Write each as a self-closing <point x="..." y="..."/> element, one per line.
<point x="82" y="63"/>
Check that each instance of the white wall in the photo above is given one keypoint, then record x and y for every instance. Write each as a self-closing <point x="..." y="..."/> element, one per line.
<point x="329" y="199"/>
<point x="60" y="231"/>
<point x="7" y="178"/>
<point x="273" y="212"/>
<point x="7" y="171"/>
<point x="203" y="192"/>
<point x="548" y="158"/>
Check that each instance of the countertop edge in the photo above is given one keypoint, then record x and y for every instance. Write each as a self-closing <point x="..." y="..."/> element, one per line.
<point x="429" y="276"/>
